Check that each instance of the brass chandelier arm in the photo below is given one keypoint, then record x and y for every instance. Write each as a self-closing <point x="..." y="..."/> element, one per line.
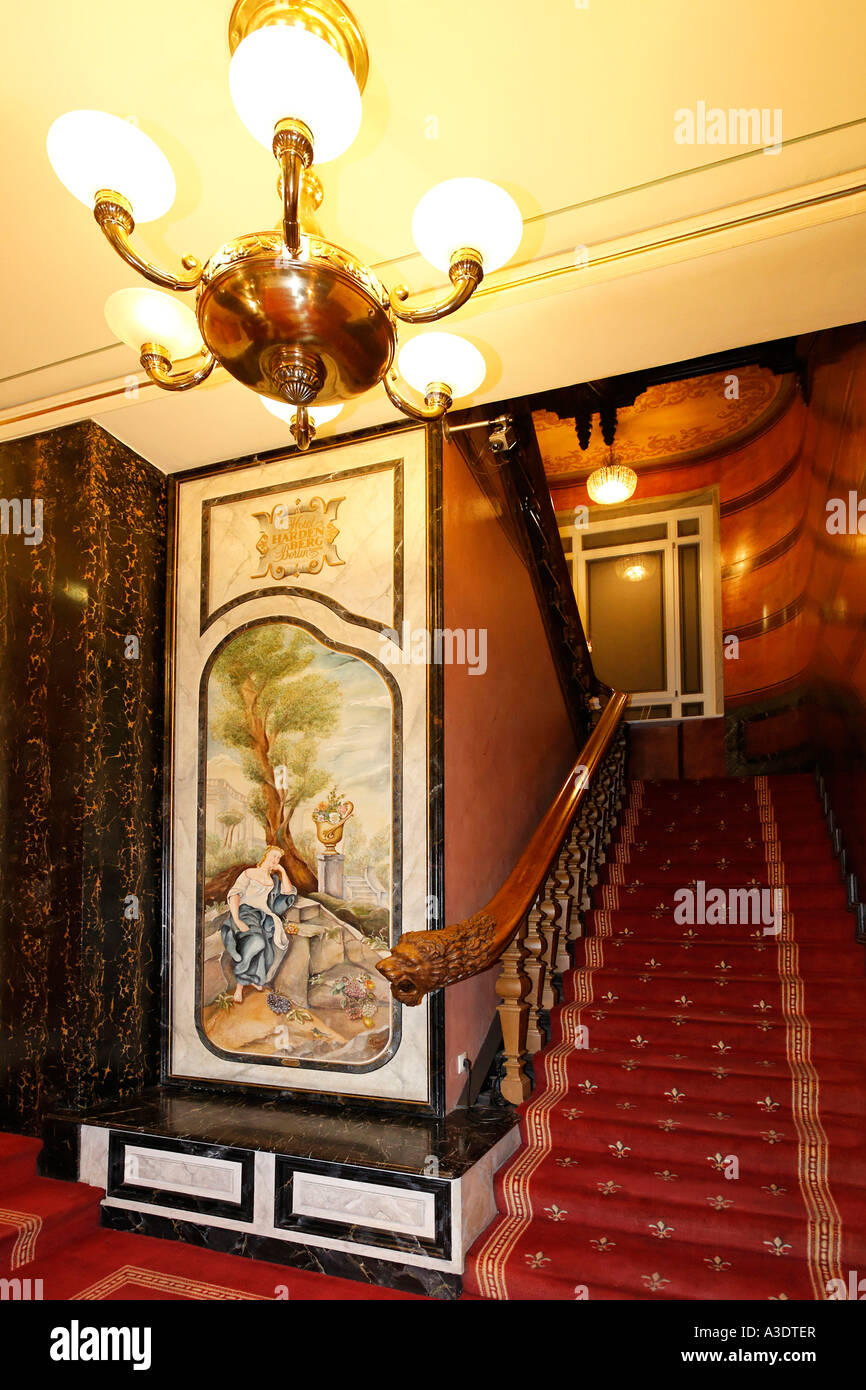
<point x="158" y="365"/>
<point x="114" y="216"/>
<point x="466" y="273"/>
<point x="293" y="151"/>
<point x="437" y="400"/>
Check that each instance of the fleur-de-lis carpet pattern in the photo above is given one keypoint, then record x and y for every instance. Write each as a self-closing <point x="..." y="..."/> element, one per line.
<point x="707" y="1141"/>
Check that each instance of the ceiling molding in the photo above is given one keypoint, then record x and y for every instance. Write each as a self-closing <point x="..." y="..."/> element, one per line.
<point x="50" y="412"/>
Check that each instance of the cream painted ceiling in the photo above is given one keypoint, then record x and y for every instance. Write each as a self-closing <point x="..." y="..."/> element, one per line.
<point x="571" y="108"/>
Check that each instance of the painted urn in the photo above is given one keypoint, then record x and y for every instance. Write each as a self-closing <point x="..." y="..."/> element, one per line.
<point x="330" y="817"/>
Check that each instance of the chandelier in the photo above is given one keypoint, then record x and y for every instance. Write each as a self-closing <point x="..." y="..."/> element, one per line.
<point x="289" y="314"/>
<point x="633" y="568"/>
<point x="611" y="484"/>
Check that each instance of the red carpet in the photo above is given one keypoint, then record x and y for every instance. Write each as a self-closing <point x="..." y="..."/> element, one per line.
<point x="50" y="1231"/>
<point x="706" y="1044"/>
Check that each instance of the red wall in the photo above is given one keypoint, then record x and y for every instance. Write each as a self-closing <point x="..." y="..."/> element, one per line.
<point x="835" y="584"/>
<point x="794" y="594"/>
<point x="765" y="547"/>
<point x="508" y="741"/>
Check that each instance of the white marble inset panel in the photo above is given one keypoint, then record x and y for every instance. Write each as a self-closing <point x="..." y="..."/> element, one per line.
<point x="329" y="536"/>
<point x="477" y="1190"/>
<point x="93" y="1156"/>
<point x="178" y="1172"/>
<point x="364" y="1204"/>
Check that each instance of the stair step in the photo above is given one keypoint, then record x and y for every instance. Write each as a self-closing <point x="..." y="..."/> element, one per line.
<point x="739" y="873"/>
<point x="646" y="1268"/>
<point x="18" y="1155"/>
<point x="678" y="1069"/>
<point x="700" y="959"/>
<point x="692" y="1218"/>
<point x="811" y="925"/>
<point x="40" y="1216"/>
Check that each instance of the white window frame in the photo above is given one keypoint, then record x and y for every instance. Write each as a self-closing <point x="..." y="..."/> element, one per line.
<point x="665" y="512"/>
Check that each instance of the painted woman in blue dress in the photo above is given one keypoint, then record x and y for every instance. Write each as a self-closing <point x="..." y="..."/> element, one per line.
<point x="254" y="931"/>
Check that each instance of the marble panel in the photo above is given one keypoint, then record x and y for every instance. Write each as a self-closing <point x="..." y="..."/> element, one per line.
<point x="319" y="555"/>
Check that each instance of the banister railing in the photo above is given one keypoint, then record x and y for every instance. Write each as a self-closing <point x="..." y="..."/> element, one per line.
<point x="529" y="921"/>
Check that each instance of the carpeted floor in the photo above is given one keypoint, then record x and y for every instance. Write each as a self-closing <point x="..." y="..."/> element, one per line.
<point x="707" y="1142"/>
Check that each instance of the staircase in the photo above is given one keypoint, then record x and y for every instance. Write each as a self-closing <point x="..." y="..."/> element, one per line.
<point x="697" y="1127"/>
<point x="356" y="889"/>
<point x="38" y="1216"/>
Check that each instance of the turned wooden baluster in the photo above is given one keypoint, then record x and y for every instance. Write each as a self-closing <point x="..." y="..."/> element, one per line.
<point x="578" y="841"/>
<point x="618" y="756"/>
<point x="604" y="803"/>
<point x="512" y="986"/>
<point x="581" y="847"/>
<point x="590" y="821"/>
<point x="550" y="934"/>
<point x="565" y="877"/>
<point x="535" y="966"/>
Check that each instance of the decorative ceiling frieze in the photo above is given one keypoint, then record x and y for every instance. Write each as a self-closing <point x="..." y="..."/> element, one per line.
<point x="668" y="423"/>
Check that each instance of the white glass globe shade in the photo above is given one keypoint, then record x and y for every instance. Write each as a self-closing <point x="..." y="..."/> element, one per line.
<point x="319" y="414"/>
<point x="442" y="357"/>
<point x="90" y="150"/>
<point x="612" y="484"/>
<point x="149" y="316"/>
<point x="282" y="71"/>
<point x="467" y="212"/>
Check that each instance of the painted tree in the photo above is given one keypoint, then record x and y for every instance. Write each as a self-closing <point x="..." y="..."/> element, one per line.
<point x="380" y="855"/>
<point x="354" y="845"/>
<point x="229" y="820"/>
<point x="273" y="710"/>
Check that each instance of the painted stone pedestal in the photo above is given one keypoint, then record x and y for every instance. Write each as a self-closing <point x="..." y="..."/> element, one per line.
<point x="330" y="869"/>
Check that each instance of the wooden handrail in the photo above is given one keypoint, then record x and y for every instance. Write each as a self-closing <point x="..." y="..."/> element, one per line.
<point x="426" y="960"/>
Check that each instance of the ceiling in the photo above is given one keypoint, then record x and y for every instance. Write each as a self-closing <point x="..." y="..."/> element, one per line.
<point x="691" y="249"/>
<point x="671" y="422"/>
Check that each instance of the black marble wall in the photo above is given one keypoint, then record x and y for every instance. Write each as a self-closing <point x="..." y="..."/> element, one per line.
<point x="81" y="690"/>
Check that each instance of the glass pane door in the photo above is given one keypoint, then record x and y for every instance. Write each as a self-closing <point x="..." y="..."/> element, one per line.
<point x="626" y="612"/>
<point x="645" y="591"/>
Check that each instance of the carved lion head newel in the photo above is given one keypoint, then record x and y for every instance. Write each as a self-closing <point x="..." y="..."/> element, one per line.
<point x="426" y="960"/>
<point x="411" y="969"/>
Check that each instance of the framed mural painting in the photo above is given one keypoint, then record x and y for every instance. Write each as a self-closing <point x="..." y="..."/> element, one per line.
<point x="303" y="826"/>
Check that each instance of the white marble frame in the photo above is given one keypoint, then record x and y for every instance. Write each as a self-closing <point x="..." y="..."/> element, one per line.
<point x="407" y="1077"/>
<point x="473" y="1204"/>
<point x="312" y="484"/>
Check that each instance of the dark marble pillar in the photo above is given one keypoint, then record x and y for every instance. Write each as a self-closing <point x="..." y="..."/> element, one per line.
<point x="80" y="772"/>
